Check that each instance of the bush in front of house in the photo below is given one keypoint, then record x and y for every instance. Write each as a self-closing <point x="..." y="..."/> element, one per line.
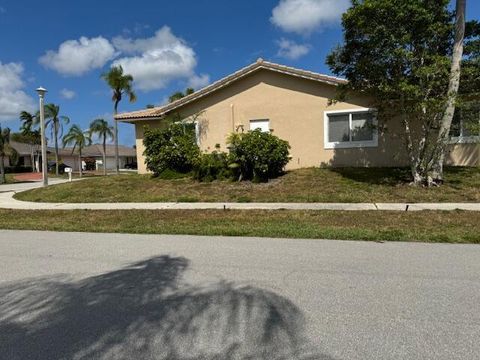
<point x="173" y="148"/>
<point x="212" y="166"/>
<point x="257" y="155"/>
<point x="18" y="169"/>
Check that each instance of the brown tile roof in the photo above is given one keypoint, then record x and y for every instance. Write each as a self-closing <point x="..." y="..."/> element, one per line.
<point x="23" y="149"/>
<point x="158" y="112"/>
<point x="96" y="150"/>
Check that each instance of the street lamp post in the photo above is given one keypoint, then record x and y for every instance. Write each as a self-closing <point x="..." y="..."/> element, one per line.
<point x="41" y="94"/>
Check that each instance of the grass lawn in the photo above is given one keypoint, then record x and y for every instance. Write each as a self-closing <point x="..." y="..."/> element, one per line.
<point x="304" y="185"/>
<point x="426" y="226"/>
<point x="10" y="178"/>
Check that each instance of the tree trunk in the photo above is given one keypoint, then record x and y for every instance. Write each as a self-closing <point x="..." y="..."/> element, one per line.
<point x="117" y="165"/>
<point x="105" y="155"/>
<point x="80" y="161"/>
<point x="56" y="148"/>
<point x="32" y="158"/>
<point x="453" y="85"/>
<point x="3" y="178"/>
<point x="414" y="161"/>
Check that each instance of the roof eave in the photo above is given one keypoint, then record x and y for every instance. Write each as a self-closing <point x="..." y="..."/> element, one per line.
<point x="226" y="81"/>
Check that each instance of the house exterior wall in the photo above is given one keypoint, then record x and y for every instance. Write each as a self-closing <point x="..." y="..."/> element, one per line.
<point x="139" y="130"/>
<point x="463" y="155"/>
<point x="73" y="161"/>
<point x="23" y="160"/>
<point x="295" y="108"/>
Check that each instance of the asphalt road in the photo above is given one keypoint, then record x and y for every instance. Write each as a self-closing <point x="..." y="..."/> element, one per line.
<point x="106" y="296"/>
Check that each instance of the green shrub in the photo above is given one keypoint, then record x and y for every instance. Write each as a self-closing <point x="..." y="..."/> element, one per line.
<point x="18" y="169"/>
<point x="212" y="166"/>
<point x="173" y="148"/>
<point x="257" y="155"/>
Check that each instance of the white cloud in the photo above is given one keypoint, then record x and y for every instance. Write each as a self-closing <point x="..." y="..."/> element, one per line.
<point x="67" y="94"/>
<point x="12" y="98"/>
<point x="77" y="57"/>
<point x="305" y="16"/>
<point x="155" y="61"/>
<point x="291" y="50"/>
<point x="199" y="81"/>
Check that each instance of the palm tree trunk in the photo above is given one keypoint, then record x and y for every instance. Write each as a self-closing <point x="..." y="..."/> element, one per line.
<point x="3" y="178"/>
<point x="117" y="165"/>
<point x="56" y="149"/>
<point x="104" y="155"/>
<point x="32" y="158"/>
<point x="452" y="88"/>
<point x="80" y="161"/>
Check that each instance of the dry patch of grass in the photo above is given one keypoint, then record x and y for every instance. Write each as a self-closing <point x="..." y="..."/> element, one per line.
<point x="426" y="226"/>
<point x="304" y="185"/>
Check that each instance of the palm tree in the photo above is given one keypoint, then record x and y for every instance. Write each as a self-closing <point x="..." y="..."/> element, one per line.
<point x="55" y="121"/>
<point x="30" y="135"/>
<point x="178" y="95"/>
<point x="29" y="121"/>
<point x="79" y="139"/>
<point x="121" y="84"/>
<point x="104" y="131"/>
<point x="6" y="150"/>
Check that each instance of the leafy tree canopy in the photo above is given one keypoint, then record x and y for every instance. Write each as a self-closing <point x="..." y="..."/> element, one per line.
<point x="399" y="54"/>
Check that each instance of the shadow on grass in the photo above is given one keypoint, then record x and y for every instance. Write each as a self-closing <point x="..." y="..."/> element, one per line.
<point x="141" y="312"/>
<point x="375" y="176"/>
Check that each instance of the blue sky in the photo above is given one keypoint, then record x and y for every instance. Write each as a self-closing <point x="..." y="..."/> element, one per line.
<point x="167" y="46"/>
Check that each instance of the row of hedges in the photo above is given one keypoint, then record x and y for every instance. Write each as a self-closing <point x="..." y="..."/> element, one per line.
<point x="254" y="155"/>
<point x="17" y="169"/>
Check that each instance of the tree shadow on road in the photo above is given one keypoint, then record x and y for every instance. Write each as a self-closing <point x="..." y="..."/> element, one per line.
<point x="142" y="312"/>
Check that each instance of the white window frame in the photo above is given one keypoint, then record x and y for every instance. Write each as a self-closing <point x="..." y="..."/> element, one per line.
<point x="349" y="144"/>
<point x="258" y="121"/>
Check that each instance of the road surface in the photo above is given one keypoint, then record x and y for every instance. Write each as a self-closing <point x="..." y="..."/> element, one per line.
<point x="118" y="296"/>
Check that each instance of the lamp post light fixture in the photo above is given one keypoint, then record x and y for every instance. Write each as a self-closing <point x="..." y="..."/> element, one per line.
<point x="41" y="94"/>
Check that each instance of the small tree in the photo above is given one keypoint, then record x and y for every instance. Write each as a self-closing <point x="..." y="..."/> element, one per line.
<point x="6" y="151"/>
<point x="398" y="53"/>
<point x="79" y="139"/>
<point x="104" y="131"/>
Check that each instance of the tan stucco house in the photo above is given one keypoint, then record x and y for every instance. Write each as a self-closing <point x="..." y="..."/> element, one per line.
<point x="294" y="105"/>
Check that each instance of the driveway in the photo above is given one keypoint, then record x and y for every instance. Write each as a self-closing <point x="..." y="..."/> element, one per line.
<point x="23" y="186"/>
<point x="118" y="296"/>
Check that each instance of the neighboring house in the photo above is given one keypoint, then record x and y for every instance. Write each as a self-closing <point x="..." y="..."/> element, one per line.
<point x="294" y="105"/>
<point x="127" y="155"/>
<point x="25" y="152"/>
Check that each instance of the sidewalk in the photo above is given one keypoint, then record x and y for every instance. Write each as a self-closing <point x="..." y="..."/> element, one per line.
<point x="24" y="186"/>
<point x="8" y="202"/>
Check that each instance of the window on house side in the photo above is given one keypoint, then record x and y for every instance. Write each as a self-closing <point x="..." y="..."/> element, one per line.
<point x="262" y="124"/>
<point x="350" y="128"/>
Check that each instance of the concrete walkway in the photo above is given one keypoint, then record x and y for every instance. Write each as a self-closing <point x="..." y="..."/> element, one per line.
<point x="24" y="186"/>
<point x="8" y="202"/>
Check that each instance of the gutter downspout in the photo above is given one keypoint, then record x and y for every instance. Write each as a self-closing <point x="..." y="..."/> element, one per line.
<point x="233" y="117"/>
